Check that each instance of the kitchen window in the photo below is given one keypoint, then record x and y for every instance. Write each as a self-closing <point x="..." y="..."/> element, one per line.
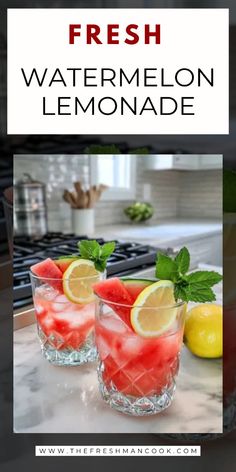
<point x="116" y="171"/>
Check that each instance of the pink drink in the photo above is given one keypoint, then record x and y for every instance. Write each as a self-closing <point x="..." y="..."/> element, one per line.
<point x="134" y="365"/>
<point x="65" y="329"/>
<point x="66" y="324"/>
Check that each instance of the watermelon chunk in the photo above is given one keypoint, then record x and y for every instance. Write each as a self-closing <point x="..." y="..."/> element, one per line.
<point x="48" y="270"/>
<point x="136" y="286"/>
<point x="114" y="291"/>
<point x="64" y="263"/>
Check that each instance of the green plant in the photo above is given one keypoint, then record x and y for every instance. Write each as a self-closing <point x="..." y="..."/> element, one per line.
<point x="139" y="211"/>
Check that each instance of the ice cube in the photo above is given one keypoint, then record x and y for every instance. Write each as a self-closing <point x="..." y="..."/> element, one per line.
<point x="47" y="324"/>
<point x="75" y="318"/>
<point x="46" y="292"/>
<point x="103" y="347"/>
<point x="70" y="317"/>
<point x="113" y="323"/>
<point x="61" y="303"/>
<point x="39" y="308"/>
<point x="169" y="346"/>
<point x="132" y="345"/>
<point x="88" y="311"/>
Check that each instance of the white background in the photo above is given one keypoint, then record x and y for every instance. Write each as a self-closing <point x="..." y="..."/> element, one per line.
<point x="190" y="38"/>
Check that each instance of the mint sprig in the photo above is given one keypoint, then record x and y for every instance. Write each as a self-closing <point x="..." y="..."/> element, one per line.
<point x="183" y="261"/>
<point x="166" y="268"/>
<point x="96" y="253"/>
<point x="195" y="287"/>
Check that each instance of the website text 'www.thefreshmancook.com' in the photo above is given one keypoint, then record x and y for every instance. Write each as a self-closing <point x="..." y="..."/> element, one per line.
<point x="118" y="451"/>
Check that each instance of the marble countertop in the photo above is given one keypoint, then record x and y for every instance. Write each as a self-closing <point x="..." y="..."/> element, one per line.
<point x="166" y="232"/>
<point x="49" y="399"/>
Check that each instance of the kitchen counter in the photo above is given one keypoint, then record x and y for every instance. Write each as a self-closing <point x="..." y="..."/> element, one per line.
<point x="202" y="237"/>
<point x="49" y="399"/>
<point x="166" y="232"/>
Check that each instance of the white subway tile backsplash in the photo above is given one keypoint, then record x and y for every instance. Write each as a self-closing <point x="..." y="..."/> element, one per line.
<point x="201" y="194"/>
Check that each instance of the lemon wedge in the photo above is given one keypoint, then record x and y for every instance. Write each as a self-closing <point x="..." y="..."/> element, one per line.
<point x="78" y="281"/>
<point x="153" y="313"/>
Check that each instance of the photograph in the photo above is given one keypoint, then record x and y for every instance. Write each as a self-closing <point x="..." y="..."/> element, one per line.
<point x="118" y="293"/>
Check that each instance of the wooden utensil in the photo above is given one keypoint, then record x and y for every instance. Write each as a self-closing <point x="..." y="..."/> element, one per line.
<point x="80" y="198"/>
<point x="67" y="196"/>
<point x="90" y="194"/>
<point x="100" y="190"/>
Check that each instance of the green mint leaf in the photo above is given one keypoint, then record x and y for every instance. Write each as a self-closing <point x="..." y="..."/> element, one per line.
<point x="100" y="265"/>
<point x="200" y="294"/>
<point x="194" y="293"/>
<point x="195" y="287"/>
<point x="183" y="260"/>
<point x="166" y="268"/>
<point x="181" y="293"/>
<point x="92" y="251"/>
<point x="204" y="278"/>
<point x="108" y="249"/>
<point x="89" y="249"/>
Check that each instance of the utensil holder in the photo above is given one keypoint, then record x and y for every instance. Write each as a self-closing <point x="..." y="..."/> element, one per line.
<point x="82" y="221"/>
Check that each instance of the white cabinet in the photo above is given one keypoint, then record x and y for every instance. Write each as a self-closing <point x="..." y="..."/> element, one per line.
<point x="207" y="250"/>
<point x="183" y="162"/>
<point x="171" y="161"/>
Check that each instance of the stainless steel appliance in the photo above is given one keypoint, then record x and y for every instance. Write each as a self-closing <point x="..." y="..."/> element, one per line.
<point x="30" y="209"/>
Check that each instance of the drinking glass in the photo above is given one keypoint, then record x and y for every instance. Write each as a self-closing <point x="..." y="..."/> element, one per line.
<point x="65" y="329"/>
<point x="137" y="374"/>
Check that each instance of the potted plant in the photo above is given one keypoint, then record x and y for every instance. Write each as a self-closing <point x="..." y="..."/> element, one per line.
<point x="139" y="212"/>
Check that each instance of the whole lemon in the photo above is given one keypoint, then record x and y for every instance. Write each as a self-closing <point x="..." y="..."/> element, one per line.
<point x="203" y="330"/>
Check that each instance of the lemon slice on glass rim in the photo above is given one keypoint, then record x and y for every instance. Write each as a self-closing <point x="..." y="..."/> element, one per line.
<point x="78" y="281"/>
<point x="154" y="310"/>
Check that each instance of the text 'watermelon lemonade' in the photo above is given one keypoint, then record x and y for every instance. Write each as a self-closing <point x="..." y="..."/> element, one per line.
<point x="139" y="333"/>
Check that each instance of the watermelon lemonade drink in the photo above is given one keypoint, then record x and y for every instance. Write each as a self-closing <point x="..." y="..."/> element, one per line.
<point x="138" y="344"/>
<point x="139" y="331"/>
<point x="65" y="305"/>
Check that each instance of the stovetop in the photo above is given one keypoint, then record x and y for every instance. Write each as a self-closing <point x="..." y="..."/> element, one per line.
<point x="128" y="258"/>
